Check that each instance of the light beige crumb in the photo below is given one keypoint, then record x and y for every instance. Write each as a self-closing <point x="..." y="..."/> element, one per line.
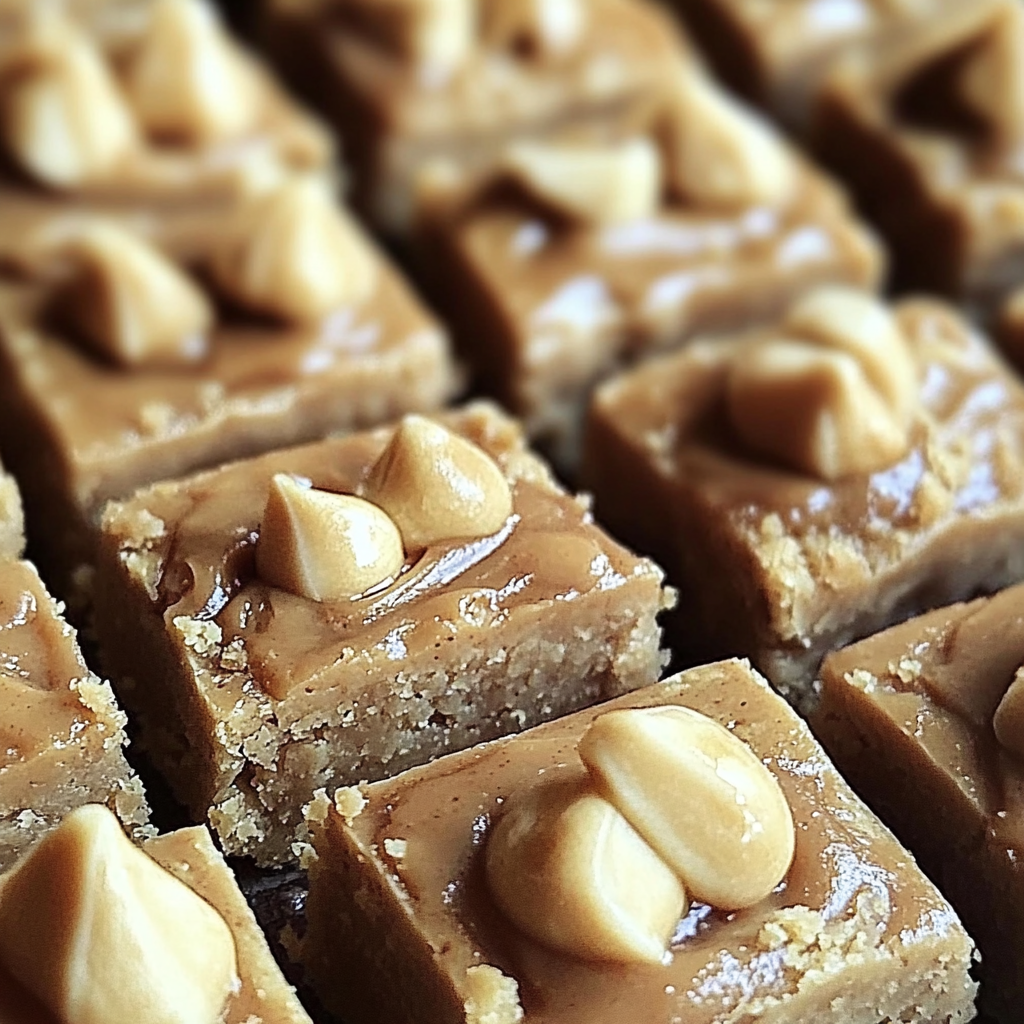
<point x="491" y="997"/>
<point x="395" y="848"/>
<point x="907" y="669"/>
<point x="202" y="637"/>
<point x="349" y="802"/>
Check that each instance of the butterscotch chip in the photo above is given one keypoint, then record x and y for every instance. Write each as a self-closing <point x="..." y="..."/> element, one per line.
<point x="325" y="546"/>
<point x="834" y="402"/>
<point x="570" y="871"/>
<point x="65" y="120"/>
<point x="699" y="796"/>
<point x="812" y="410"/>
<point x="719" y="153"/>
<point x="437" y="485"/>
<point x="591" y="183"/>
<point x="536" y="27"/>
<point x="854" y="321"/>
<point x="101" y="934"/>
<point x="132" y="305"/>
<point x="187" y="81"/>
<point x="295" y="254"/>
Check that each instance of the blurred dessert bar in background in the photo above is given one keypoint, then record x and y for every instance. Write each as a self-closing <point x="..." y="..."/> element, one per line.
<point x="446" y="85"/>
<point x="582" y="256"/>
<point x="807" y="484"/>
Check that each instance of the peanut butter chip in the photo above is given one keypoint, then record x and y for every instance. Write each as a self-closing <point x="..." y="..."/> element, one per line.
<point x="591" y="183"/>
<point x="535" y="27"/>
<point x="438" y="486"/>
<point x="1009" y="717"/>
<point x="567" y="868"/>
<point x="295" y="254"/>
<point x="187" y="81"/>
<point x="699" y="796"/>
<point x="65" y="121"/>
<point x="992" y="81"/>
<point x="719" y="154"/>
<point x="132" y="305"/>
<point x="101" y="934"/>
<point x="834" y="394"/>
<point x="324" y="546"/>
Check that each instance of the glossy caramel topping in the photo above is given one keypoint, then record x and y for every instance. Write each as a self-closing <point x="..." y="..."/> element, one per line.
<point x="949" y="679"/>
<point x="850" y="882"/>
<point x="549" y="551"/>
<point x="40" y="666"/>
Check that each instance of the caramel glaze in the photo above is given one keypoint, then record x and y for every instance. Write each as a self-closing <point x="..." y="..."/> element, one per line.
<point x="968" y="431"/>
<point x="443" y="812"/>
<point x="624" y="52"/>
<point x="939" y="678"/>
<point x="452" y="592"/>
<point x="40" y="711"/>
<point x="570" y="302"/>
<point x="118" y="429"/>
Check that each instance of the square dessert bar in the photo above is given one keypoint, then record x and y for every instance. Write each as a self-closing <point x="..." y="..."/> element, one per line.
<point x="584" y="256"/>
<point x="777" y="53"/>
<point x="808" y="484"/>
<point x="413" y="83"/>
<point x="927" y="131"/>
<point x="141" y="110"/>
<point x="61" y="733"/>
<point x="404" y="923"/>
<point x="134" y="368"/>
<point x="250" y="696"/>
<point x="925" y="721"/>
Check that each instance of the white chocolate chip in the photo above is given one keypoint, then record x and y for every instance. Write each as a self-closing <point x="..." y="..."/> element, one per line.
<point x="295" y="254"/>
<point x="719" y="154"/>
<point x="438" y="486"/>
<point x="591" y="183"/>
<point x="101" y="934"/>
<point x="325" y="546"/>
<point x="833" y="394"/>
<point x="535" y="27"/>
<point x="699" y="796"/>
<point x="187" y="81"/>
<point x="568" y="869"/>
<point x="132" y="305"/>
<point x="64" y="119"/>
